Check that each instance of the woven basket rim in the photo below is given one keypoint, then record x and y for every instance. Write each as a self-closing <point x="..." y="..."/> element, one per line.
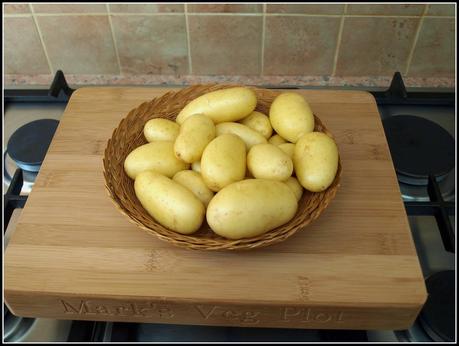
<point x="116" y="189"/>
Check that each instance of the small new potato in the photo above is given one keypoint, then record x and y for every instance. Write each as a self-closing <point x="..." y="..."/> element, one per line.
<point x="159" y="129"/>
<point x="295" y="186"/>
<point x="223" y="161"/>
<point x="276" y="140"/>
<point x="169" y="203"/>
<point x="250" y="207"/>
<point x="316" y="161"/>
<point x="156" y="156"/>
<point x="195" y="133"/>
<point x="196" y="166"/>
<point x="259" y="122"/>
<point x="230" y="104"/>
<point x="291" y="116"/>
<point x="287" y="148"/>
<point x="249" y="136"/>
<point x="267" y="161"/>
<point x="194" y="182"/>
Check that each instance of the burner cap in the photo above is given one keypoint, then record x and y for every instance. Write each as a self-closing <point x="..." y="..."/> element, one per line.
<point x="437" y="315"/>
<point x="419" y="147"/>
<point x="29" y="143"/>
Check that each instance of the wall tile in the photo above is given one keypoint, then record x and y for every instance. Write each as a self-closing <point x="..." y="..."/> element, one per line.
<point x="69" y="8"/>
<point x="224" y="8"/>
<point x="300" y="45"/>
<point x="16" y="8"/>
<point x="79" y="44"/>
<point x="228" y="45"/>
<point x="151" y="44"/>
<point x="375" y="46"/>
<point x="440" y="10"/>
<point x="434" y="52"/>
<point x="146" y="8"/>
<point x="305" y="9"/>
<point x="23" y="52"/>
<point x="388" y="10"/>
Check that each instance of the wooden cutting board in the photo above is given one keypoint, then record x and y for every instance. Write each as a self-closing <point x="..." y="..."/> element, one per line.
<point x="74" y="256"/>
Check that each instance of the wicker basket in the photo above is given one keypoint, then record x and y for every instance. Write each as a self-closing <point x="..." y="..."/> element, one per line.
<point x="129" y="135"/>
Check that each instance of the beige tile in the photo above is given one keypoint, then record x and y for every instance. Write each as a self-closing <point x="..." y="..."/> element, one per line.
<point x="16" y="8"/>
<point x="441" y="10"/>
<point x="146" y="8"/>
<point x="300" y="45"/>
<point x="375" y="46"/>
<point x="228" y="45"/>
<point x="388" y="10"/>
<point x="151" y="44"/>
<point x="434" y="52"/>
<point x="305" y="9"/>
<point x="79" y="44"/>
<point x="23" y="52"/>
<point x="69" y="8"/>
<point x="224" y="8"/>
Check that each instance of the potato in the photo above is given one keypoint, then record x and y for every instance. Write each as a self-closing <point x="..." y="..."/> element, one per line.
<point x="291" y="116"/>
<point x="259" y="122"/>
<point x="267" y="161"/>
<point x="250" y="207"/>
<point x="160" y="129"/>
<point x="287" y="148"/>
<point x="195" y="133"/>
<point x="194" y="182"/>
<point x="169" y="203"/>
<point x="156" y="156"/>
<point x="293" y="184"/>
<point x="223" y="161"/>
<point x="249" y="136"/>
<point x="230" y="104"/>
<point x="196" y="166"/>
<point x="316" y="161"/>
<point x="276" y="140"/>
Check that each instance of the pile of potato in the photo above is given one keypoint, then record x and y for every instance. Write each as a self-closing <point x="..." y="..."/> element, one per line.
<point x="220" y="160"/>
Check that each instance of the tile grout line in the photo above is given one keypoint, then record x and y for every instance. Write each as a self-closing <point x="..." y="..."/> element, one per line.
<point x="188" y="42"/>
<point x="115" y="46"/>
<point x="263" y="33"/>
<point x="338" y="43"/>
<point x="40" y="36"/>
<point x="415" y="40"/>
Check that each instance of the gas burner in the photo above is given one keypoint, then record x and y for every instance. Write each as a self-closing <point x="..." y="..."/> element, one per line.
<point x="437" y="316"/>
<point x="28" y="145"/>
<point x="419" y="148"/>
<point x="26" y="149"/>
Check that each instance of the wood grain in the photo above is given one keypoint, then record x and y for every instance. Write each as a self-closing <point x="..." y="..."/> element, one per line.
<point x="74" y="256"/>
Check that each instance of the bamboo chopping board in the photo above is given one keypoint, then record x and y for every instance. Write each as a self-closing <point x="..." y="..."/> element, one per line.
<point x="74" y="256"/>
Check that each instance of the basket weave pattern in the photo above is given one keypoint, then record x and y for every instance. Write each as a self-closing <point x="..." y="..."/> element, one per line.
<point x="129" y="135"/>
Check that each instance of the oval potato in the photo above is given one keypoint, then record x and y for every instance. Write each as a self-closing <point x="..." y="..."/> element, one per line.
<point x="249" y="136"/>
<point x="159" y="129"/>
<point x="223" y="161"/>
<point x="291" y="116"/>
<point x="196" y="166"/>
<point x="250" y="207"/>
<point x="195" y="133"/>
<point x="259" y="122"/>
<point x="294" y="185"/>
<point x="230" y="104"/>
<point x="288" y="148"/>
<point x="316" y="161"/>
<point x="267" y="161"/>
<point x="155" y="156"/>
<point x="194" y="182"/>
<point x="276" y="140"/>
<point x="169" y="203"/>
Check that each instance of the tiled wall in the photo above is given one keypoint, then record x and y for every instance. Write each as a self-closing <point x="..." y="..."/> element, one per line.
<point x="355" y="40"/>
